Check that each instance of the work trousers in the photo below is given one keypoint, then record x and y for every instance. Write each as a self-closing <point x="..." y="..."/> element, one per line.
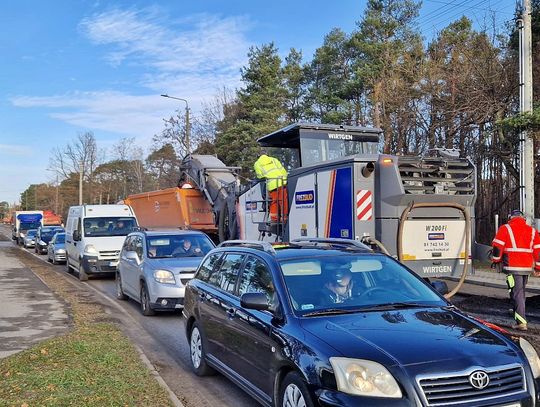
<point x="516" y="285"/>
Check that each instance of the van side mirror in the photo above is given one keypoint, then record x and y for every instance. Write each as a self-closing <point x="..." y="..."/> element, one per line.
<point x="254" y="301"/>
<point x="77" y="235"/>
<point x="440" y="286"/>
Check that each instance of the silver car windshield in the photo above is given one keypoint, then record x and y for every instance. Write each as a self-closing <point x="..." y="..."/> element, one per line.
<point x="108" y="226"/>
<point x="164" y="246"/>
<point x="351" y="282"/>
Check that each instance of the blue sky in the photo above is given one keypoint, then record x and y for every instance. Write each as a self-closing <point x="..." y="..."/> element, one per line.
<point x="67" y="67"/>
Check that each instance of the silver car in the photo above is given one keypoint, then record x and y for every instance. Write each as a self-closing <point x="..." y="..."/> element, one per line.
<point x="56" y="250"/>
<point x="155" y="267"/>
<point x="30" y="238"/>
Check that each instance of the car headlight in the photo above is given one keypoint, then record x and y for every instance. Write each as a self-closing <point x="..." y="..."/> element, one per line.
<point x="90" y="249"/>
<point x="164" y="277"/>
<point x="42" y="243"/>
<point x="364" y="378"/>
<point x="531" y="355"/>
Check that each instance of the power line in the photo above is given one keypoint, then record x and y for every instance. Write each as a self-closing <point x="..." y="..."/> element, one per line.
<point x="472" y="7"/>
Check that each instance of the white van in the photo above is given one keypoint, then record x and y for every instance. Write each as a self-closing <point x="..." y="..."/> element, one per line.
<point x="94" y="237"/>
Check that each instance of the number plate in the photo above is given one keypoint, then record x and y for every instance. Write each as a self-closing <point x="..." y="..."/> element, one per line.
<point x="113" y="264"/>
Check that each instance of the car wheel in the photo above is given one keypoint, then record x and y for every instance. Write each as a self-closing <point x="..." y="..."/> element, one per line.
<point x="119" y="291"/>
<point x="294" y="392"/>
<point x="82" y="274"/>
<point x="145" y="302"/>
<point x="197" y="352"/>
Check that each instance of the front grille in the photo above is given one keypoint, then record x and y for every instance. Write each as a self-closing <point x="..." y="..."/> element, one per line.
<point x="453" y="389"/>
<point x="109" y="254"/>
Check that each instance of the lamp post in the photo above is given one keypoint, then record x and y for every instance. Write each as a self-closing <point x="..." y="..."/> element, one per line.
<point x="188" y="127"/>
<point x="81" y="168"/>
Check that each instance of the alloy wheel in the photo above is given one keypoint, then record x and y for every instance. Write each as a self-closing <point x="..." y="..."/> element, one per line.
<point x="293" y="397"/>
<point x="196" y="348"/>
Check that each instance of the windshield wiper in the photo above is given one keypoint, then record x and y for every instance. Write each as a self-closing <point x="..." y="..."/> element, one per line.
<point x="396" y="305"/>
<point x="330" y="311"/>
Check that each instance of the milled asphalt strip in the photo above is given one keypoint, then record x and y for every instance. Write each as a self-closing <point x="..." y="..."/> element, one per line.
<point x="174" y="399"/>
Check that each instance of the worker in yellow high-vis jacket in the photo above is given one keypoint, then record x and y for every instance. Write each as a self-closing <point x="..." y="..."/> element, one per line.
<point x="274" y="174"/>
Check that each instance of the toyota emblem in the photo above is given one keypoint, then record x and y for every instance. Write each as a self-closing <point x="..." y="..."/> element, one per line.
<point x="479" y="379"/>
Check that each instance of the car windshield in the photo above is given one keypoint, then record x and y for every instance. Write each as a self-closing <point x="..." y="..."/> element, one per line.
<point x="60" y="238"/>
<point x="108" y="226"/>
<point x="178" y="246"/>
<point x="28" y="226"/>
<point x="353" y="282"/>
<point x="48" y="233"/>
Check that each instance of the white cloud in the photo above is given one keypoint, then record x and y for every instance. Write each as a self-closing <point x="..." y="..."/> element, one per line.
<point x="189" y="58"/>
<point x="14" y="149"/>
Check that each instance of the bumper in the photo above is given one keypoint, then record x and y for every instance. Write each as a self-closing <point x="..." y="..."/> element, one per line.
<point x="172" y="294"/>
<point x="59" y="256"/>
<point x="329" y="398"/>
<point x="93" y="265"/>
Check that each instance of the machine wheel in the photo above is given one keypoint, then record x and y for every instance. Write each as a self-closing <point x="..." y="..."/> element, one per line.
<point x="82" y="274"/>
<point x="145" y="302"/>
<point x="226" y="229"/>
<point x="198" y="353"/>
<point x="294" y="392"/>
<point x="119" y="291"/>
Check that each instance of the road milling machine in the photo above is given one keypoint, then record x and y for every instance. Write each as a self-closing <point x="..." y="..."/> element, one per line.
<point x="421" y="209"/>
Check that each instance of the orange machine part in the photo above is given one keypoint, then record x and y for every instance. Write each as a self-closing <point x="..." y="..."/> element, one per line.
<point x="173" y="208"/>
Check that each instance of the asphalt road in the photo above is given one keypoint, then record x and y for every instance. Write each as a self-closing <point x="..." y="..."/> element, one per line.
<point x="162" y="338"/>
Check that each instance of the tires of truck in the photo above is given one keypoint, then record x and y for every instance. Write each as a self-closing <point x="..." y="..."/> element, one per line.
<point x="146" y="310"/>
<point x="197" y="352"/>
<point x="227" y="228"/>
<point x="82" y="274"/>
<point x="119" y="291"/>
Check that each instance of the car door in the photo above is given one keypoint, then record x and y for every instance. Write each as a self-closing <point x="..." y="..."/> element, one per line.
<point x="72" y="246"/>
<point x="126" y="268"/>
<point x="253" y="350"/>
<point x="221" y="305"/>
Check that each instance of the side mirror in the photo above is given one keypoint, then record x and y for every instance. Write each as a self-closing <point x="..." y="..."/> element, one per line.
<point x="254" y="301"/>
<point x="440" y="286"/>
<point x="131" y="255"/>
<point x="77" y="235"/>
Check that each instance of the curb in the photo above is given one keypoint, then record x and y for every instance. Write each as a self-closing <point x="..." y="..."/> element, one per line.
<point x="153" y="371"/>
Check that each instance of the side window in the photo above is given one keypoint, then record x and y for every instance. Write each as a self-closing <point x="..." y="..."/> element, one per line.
<point x="138" y="246"/>
<point x="225" y="278"/>
<point x="256" y="278"/>
<point x="207" y="267"/>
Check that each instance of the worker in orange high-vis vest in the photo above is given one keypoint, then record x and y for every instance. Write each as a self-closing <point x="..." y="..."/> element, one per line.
<point x="517" y="247"/>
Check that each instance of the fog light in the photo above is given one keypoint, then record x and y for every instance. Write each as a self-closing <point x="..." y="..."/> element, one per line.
<point x="164" y="302"/>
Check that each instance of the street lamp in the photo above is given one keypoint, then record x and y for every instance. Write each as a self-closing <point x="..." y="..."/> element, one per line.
<point x="188" y="127"/>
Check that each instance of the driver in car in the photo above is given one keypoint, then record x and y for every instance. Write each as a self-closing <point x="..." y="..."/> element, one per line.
<point x="339" y="287"/>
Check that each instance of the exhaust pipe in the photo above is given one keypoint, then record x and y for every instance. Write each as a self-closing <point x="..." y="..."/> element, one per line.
<point x="368" y="170"/>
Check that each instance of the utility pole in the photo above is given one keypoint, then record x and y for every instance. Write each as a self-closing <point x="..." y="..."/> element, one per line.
<point x="188" y="125"/>
<point x="526" y="105"/>
<point x="56" y="197"/>
<point x="81" y="167"/>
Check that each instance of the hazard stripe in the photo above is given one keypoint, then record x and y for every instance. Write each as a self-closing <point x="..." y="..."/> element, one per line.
<point x="364" y="205"/>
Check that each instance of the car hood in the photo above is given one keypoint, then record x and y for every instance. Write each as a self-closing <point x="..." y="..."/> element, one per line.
<point x="412" y="336"/>
<point x="176" y="265"/>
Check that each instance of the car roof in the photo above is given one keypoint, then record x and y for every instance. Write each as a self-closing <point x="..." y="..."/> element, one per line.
<point x="179" y="232"/>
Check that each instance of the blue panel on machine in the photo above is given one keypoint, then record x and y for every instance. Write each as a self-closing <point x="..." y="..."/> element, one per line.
<point x="342" y="208"/>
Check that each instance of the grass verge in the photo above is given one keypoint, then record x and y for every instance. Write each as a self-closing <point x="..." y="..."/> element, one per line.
<point x="94" y="364"/>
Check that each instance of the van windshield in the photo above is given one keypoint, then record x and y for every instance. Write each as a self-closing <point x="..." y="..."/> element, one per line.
<point x="108" y="226"/>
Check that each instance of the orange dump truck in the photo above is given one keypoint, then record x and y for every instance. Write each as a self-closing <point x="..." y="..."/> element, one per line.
<point x="173" y="208"/>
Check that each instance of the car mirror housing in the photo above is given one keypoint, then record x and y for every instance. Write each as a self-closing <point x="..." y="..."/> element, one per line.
<point x="256" y="301"/>
<point x="440" y="286"/>
<point x="131" y="255"/>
